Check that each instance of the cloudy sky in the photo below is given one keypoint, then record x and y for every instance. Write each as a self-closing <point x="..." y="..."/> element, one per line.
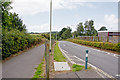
<point x="35" y="13"/>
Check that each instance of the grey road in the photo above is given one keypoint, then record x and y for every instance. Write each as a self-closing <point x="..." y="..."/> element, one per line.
<point x="105" y="61"/>
<point x="23" y="66"/>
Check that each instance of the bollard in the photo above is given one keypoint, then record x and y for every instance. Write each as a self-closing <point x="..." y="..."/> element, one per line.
<point x="86" y="60"/>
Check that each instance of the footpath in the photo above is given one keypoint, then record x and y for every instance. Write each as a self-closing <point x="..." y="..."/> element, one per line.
<point x="91" y="73"/>
<point x="23" y="65"/>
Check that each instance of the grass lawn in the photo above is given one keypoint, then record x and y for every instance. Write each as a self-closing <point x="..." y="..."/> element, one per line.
<point x="77" y="67"/>
<point x="58" y="56"/>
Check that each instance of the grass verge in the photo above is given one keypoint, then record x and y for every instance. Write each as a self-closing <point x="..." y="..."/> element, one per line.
<point x="58" y="56"/>
<point x="39" y="70"/>
<point x="77" y="67"/>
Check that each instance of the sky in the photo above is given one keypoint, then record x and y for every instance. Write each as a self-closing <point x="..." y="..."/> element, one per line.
<point x="35" y="13"/>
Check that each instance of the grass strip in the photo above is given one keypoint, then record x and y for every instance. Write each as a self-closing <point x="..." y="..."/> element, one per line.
<point x="58" y="56"/>
<point x="77" y="67"/>
<point x="39" y="70"/>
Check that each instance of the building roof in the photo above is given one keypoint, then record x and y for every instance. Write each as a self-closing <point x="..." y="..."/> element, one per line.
<point x="110" y="31"/>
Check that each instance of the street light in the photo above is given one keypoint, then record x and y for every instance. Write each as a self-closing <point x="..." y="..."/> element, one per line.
<point x="50" y="21"/>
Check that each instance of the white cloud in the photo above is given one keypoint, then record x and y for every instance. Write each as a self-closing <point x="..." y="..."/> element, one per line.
<point x="94" y="0"/>
<point x="38" y="28"/>
<point x="44" y="28"/>
<point x="31" y="7"/>
<point x="111" y="21"/>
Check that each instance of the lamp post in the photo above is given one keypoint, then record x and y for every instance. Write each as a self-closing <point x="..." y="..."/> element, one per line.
<point x="50" y="22"/>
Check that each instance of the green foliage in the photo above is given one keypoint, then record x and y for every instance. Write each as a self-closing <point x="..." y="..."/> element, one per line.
<point x="61" y="32"/>
<point x="102" y="45"/>
<point x="14" y="36"/>
<point x="86" y="30"/>
<point x="89" y="28"/>
<point x="67" y="33"/>
<point x="10" y="20"/>
<point x="80" y="29"/>
<point x="103" y="28"/>
<point x="64" y="33"/>
<point x="77" y="67"/>
<point x="47" y="36"/>
<point x="39" y="71"/>
<point x="14" y="41"/>
<point x="75" y="34"/>
<point x="58" y="56"/>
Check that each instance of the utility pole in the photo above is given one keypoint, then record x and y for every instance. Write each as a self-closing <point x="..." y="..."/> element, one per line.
<point x="50" y="21"/>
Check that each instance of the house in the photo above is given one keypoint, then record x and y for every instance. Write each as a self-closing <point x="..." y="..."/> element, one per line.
<point x="109" y="36"/>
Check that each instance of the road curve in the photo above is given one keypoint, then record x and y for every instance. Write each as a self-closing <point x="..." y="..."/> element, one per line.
<point x="101" y="59"/>
<point x="23" y="66"/>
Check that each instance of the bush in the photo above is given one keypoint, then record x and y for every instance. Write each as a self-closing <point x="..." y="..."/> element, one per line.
<point x="102" y="45"/>
<point x="14" y="41"/>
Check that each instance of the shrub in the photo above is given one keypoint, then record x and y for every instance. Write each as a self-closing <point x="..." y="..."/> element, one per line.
<point x="102" y="45"/>
<point x="14" y="41"/>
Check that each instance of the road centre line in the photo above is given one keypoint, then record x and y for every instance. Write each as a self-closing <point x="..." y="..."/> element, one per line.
<point x="112" y="54"/>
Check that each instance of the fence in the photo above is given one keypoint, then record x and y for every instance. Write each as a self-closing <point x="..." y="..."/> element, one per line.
<point x="47" y="56"/>
<point x="112" y="39"/>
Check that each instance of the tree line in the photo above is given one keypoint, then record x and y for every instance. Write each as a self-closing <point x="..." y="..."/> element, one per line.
<point x="86" y="29"/>
<point x="14" y="34"/>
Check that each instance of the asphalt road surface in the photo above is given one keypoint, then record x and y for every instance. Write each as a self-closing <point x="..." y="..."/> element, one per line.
<point x="105" y="61"/>
<point x="23" y="66"/>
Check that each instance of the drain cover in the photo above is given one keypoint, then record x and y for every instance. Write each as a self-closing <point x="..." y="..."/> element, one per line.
<point x="61" y="66"/>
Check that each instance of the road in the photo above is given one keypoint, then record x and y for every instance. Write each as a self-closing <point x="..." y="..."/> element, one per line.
<point x="23" y="66"/>
<point x="105" y="61"/>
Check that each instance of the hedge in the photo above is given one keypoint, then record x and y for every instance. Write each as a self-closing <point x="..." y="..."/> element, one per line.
<point x="101" y="45"/>
<point x="15" y="41"/>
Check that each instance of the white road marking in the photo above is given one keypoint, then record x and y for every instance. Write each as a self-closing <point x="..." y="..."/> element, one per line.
<point x="63" y="51"/>
<point x="79" y="59"/>
<point x="108" y="53"/>
<point x="106" y="74"/>
<point x="118" y="75"/>
<point x="114" y="54"/>
<point x="100" y="74"/>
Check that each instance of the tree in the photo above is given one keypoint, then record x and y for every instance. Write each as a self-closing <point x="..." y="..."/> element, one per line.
<point x="89" y="28"/>
<point x="80" y="29"/>
<point x="67" y="33"/>
<point x="10" y="20"/>
<point x="61" y="32"/>
<point x="47" y="36"/>
<point x="75" y="34"/>
<point x="103" y="28"/>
